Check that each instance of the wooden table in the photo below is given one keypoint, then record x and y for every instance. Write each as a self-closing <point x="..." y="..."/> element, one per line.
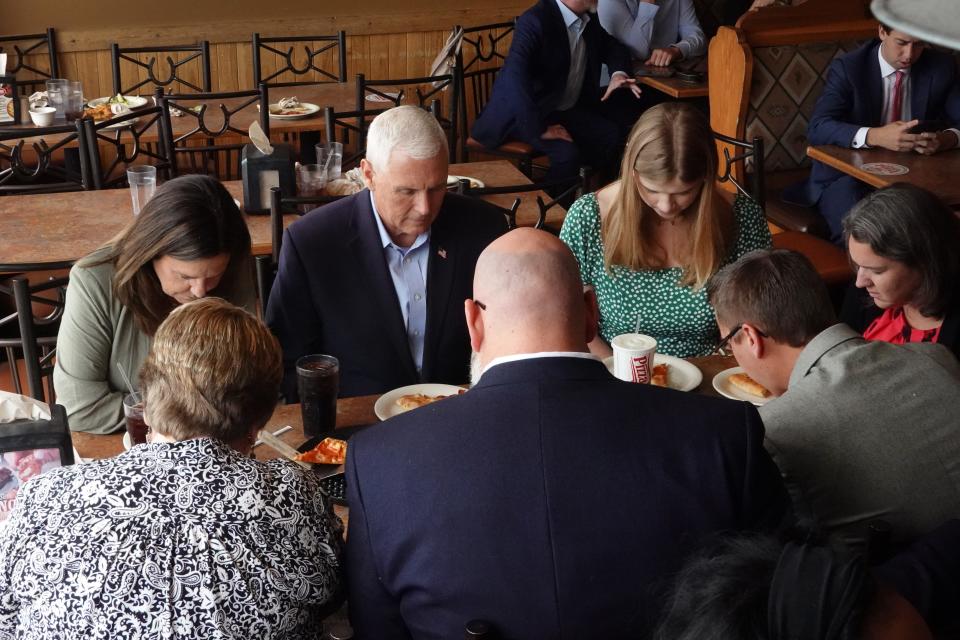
<point x="937" y="173"/>
<point x="351" y="412"/>
<point x="54" y="230"/>
<point x="675" y="87"/>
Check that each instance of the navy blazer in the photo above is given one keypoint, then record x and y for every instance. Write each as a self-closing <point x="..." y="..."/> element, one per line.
<point x="531" y="83"/>
<point x="853" y="98"/>
<point x="551" y="499"/>
<point x="333" y="294"/>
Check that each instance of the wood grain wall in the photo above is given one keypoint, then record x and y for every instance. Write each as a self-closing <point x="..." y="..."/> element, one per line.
<point x="382" y="43"/>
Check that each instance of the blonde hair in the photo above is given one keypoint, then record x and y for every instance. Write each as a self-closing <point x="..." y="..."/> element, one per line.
<point x="671" y="141"/>
<point x="213" y="370"/>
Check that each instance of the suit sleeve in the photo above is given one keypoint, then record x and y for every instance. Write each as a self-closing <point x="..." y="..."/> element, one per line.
<point x="516" y="79"/>
<point x="292" y="314"/>
<point x="635" y="33"/>
<point x="829" y="124"/>
<point x="692" y="40"/>
<point x="951" y="105"/>
<point x="615" y="55"/>
<point x="374" y="613"/>
<point x="765" y="503"/>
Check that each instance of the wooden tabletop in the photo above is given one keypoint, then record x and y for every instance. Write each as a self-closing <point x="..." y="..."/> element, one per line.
<point x="675" y="87"/>
<point x="57" y="229"/>
<point x="351" y="412"/>
<point x="937" y="173"/>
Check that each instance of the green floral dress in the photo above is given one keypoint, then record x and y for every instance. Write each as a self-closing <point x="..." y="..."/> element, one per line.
<point x="679" y="317"/>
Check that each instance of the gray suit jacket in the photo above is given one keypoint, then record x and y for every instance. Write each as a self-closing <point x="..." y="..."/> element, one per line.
<point x="869" y="430"/>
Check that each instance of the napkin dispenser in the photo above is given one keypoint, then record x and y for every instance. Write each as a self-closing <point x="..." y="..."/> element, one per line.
<point x="261" y="172"/>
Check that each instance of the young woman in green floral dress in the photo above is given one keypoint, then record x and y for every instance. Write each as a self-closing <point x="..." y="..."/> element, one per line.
<point x="649" y="242"/>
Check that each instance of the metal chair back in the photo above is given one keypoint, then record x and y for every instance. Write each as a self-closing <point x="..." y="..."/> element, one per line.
<point x="317" y="48"/>
<point x="209" y="149"/>
<point x="752" y="152"/>
<point x="562" y="193"/>
<point x="122" y="138"/>
<point x="192" y="71"/>
<point x="43" y="160"/>
<point x="482" y="53"/>
<point x="22" y="52"/>
<point x="35" y="306"/>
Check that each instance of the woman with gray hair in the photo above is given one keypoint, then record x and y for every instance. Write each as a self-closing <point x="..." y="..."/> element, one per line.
<point x="902" y="243"/>
<point x="186" y="536"/>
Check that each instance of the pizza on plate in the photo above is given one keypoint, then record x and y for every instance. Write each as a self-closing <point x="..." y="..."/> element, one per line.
<point x="328" y="451"/>
<point x="660" y="376"/>
<point x="748" y="385"/>
<point x="414" y="400"/>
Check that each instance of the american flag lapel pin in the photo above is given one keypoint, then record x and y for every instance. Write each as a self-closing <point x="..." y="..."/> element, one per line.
<point x="442" y="253"/>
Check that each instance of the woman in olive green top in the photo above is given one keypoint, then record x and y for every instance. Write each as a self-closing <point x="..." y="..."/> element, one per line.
<point x="649" y="242"/>
<point x="189" y="241"/>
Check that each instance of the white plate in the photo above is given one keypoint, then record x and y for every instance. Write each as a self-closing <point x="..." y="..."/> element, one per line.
<point x="386" y="405"/>
<point x="126" y="441"/>
<point x="309" y="110"/>
<point x="133" y="102"/>
<point x="453" y="181"/>
<point x="684" y="376"/>
<point x="721" y="382"/>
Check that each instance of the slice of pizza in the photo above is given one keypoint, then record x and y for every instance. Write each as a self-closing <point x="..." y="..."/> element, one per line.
<point x="328" y="451"/>
<point x="661" y="375"/>
<point x="414" y="400"/>
<point x="747" y="384"/>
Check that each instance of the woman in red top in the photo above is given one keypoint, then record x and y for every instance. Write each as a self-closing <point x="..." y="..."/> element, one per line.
<point x="904" y="244"/>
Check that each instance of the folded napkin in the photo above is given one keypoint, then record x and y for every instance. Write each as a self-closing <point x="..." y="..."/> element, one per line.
<point x="374" y="97"/>
<point x="347" y="184"/>
<point x="38" y="99"/>
<point x="17" y="407"/>
<point x="289" y="103"/>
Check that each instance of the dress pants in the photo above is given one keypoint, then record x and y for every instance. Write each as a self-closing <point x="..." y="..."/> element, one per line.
<point x="837" y="200"/>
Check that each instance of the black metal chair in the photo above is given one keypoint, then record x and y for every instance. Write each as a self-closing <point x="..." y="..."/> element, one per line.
<point x="327" y="43"/>
<point x="43" y="160"/>
<point x="480" y="58"/>
<point x="197" y="150"/>
<point x="564" y="192"/>
<point x="752" y="154"/>
<point x="123" y="136"/>
<point x="36" y="306"/>
<point x="198" y="54"/>
<point x="427" y="90"/>
<point x="21" y="48"/>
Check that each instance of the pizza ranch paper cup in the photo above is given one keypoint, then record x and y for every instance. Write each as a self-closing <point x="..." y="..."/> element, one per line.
<point x="633" y="355"/>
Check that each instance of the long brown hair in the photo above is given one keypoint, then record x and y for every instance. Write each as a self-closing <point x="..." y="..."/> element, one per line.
<point x="189" y="218"/>
<point x="671" y="141"/>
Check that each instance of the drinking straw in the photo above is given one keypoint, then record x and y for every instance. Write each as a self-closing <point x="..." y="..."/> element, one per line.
<point x="126" y="378"/>
<point x="636" y="329"/>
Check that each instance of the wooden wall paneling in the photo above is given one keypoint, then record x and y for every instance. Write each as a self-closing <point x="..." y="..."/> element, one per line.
<point x="104" y="81"/>
<point x="243" y="51"/>
<point x="88" y="73"/>
<point x="224" y="72"/>
<point x="416" y="51"/>
<point x="396" y="59"/>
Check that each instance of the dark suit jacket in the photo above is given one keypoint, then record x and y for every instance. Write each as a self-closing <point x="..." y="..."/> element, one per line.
<point x="858" y="311"/>
<point x="853" y="98"/>
<point x="534" y="75"/>
<point x="551" y="499"/>
<point x="333" y="294"/>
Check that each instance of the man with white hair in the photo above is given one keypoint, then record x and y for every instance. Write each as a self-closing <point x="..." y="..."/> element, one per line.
<point x="376" y="279"/>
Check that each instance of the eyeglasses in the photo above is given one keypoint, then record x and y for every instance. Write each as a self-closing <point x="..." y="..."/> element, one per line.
<point x="482" y="306"/>
<point x="722" y="349"/>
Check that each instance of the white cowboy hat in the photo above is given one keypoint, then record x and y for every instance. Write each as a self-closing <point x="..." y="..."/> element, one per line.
<point x="936" y="21"/>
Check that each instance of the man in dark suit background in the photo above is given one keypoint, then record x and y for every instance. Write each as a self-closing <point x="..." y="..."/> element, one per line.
<point x="552" y="498"/>
<point x="874" y="97"/>
<point x="548" y="93"/>
<point x="376" y="279"/>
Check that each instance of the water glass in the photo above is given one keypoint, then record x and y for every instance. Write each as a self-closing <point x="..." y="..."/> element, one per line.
<point x="143" y="182"/>
<point x="133" y="414"/>
<point x="330" y="155"/>
<point x="73" y="102"/>
<point x="57" y="90"/>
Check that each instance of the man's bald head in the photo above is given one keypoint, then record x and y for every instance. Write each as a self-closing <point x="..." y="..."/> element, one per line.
<point x="529" y="284"/>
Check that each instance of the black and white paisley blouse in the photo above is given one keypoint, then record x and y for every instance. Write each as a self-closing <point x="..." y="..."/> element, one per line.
<point x="182" y="540"/>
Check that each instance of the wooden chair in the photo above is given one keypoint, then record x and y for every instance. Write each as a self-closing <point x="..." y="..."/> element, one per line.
<point x="197" y="54"/>
<point x="336" y="42"/>
<point x="21" y="53"/>
<point x="122" y="136"/>
<point x="480" y="58"/>
<point x="43" y="160"/>
<point x="427" y="90"/>
<point x="215" y="150"/>
<point x="752" y="153"/>
<point x="36" y="306"/>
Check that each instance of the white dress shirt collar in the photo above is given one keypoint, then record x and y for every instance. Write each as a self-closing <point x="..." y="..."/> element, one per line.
<point x="886" y="68"/>
<point x="569" y="17"/>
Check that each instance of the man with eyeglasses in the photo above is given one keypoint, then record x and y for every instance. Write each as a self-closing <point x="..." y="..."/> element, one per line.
<point x="860" y="430"/>
<point x="551" y="499"/>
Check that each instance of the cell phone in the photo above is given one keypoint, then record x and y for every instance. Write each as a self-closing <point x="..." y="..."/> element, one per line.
<point x="928" y="126"/>
<point x="651" y="70"/>
<point x="335" y="487"/>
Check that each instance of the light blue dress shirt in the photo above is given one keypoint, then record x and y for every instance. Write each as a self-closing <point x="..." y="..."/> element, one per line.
<point x="408" y="270"/>
<point x="643" y="26"/>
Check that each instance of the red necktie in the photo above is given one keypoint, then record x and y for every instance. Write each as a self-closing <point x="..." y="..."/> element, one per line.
<point x="897" y="97"/>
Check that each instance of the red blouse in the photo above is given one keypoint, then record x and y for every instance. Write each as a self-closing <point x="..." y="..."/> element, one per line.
<point x="892" y="327"/>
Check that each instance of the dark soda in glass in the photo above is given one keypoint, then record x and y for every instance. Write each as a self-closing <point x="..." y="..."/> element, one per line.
<point x="318" y="382"/>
